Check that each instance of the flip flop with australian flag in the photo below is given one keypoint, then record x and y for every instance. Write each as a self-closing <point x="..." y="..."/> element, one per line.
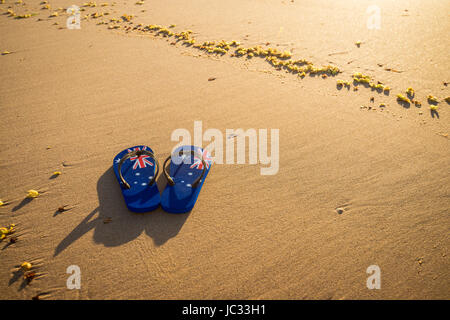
<point x="186" y="174"/>
<point x="136" y="169"/>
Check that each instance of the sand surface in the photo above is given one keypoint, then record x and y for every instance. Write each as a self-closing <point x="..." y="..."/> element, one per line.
<point x="70" y="100"/>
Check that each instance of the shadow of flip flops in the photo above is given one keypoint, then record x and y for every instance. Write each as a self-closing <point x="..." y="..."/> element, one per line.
<point x="23" y="203"/>
<point x="115" y="225"/>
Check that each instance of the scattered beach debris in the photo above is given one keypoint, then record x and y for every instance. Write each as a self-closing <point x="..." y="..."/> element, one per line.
<point x="279" y="59"/>
<point x="63" y="208"/>
<point x="392" y="70"/>
<point x="340" y="210"/>
<point x="32" y="193"/>
<point x="5" y="231"/>
<point x="417" y="103"/>
<point x="341" y="83"/>
<point x="333" y="53"/>
<point x="25" y="16"/>
<point x="89" y="4"/>
<point x="127" y="17"/>
<point x="4" y="53"/>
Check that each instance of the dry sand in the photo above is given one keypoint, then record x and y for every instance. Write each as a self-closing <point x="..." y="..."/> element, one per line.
<point x="78" y="97"/>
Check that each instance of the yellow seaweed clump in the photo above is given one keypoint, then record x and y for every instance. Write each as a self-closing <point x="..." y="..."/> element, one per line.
<point x="379" y="87"/>
<point x="189" y="42"/>
<point x="26" y="266"/>
<point x="24" y="16"/>
<point x="341" y="83"/>
<point x="402" y="98"/>
<point x="126" y="17"/>
<point x="90" y="4"/>
<point x="165" y="32"/>
<point x="410" y="92"/>
<point x="358" y="77"/>
<point x="32" y="193"/>
<point x="184" y="35"/>
<point x="96" y="15"/>
<point x="4" y="231"/>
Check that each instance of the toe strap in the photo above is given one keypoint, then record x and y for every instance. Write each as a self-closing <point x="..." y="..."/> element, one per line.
<point x="137" y="153"/>
<point x="180" y="153"/>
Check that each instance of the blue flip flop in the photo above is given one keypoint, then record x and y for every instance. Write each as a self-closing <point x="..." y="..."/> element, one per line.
<point x="136" y="170"/>
<point x="189" y="166"/>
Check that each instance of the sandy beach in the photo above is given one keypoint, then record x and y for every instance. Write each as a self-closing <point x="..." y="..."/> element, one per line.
<point x="363" y="178"/>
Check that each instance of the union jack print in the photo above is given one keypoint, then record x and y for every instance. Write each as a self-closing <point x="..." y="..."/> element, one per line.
<point x="198" y="162"/>
<point x="142" y="160"/>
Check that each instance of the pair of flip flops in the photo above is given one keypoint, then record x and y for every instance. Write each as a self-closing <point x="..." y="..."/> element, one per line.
<point x="136" y="170"/>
